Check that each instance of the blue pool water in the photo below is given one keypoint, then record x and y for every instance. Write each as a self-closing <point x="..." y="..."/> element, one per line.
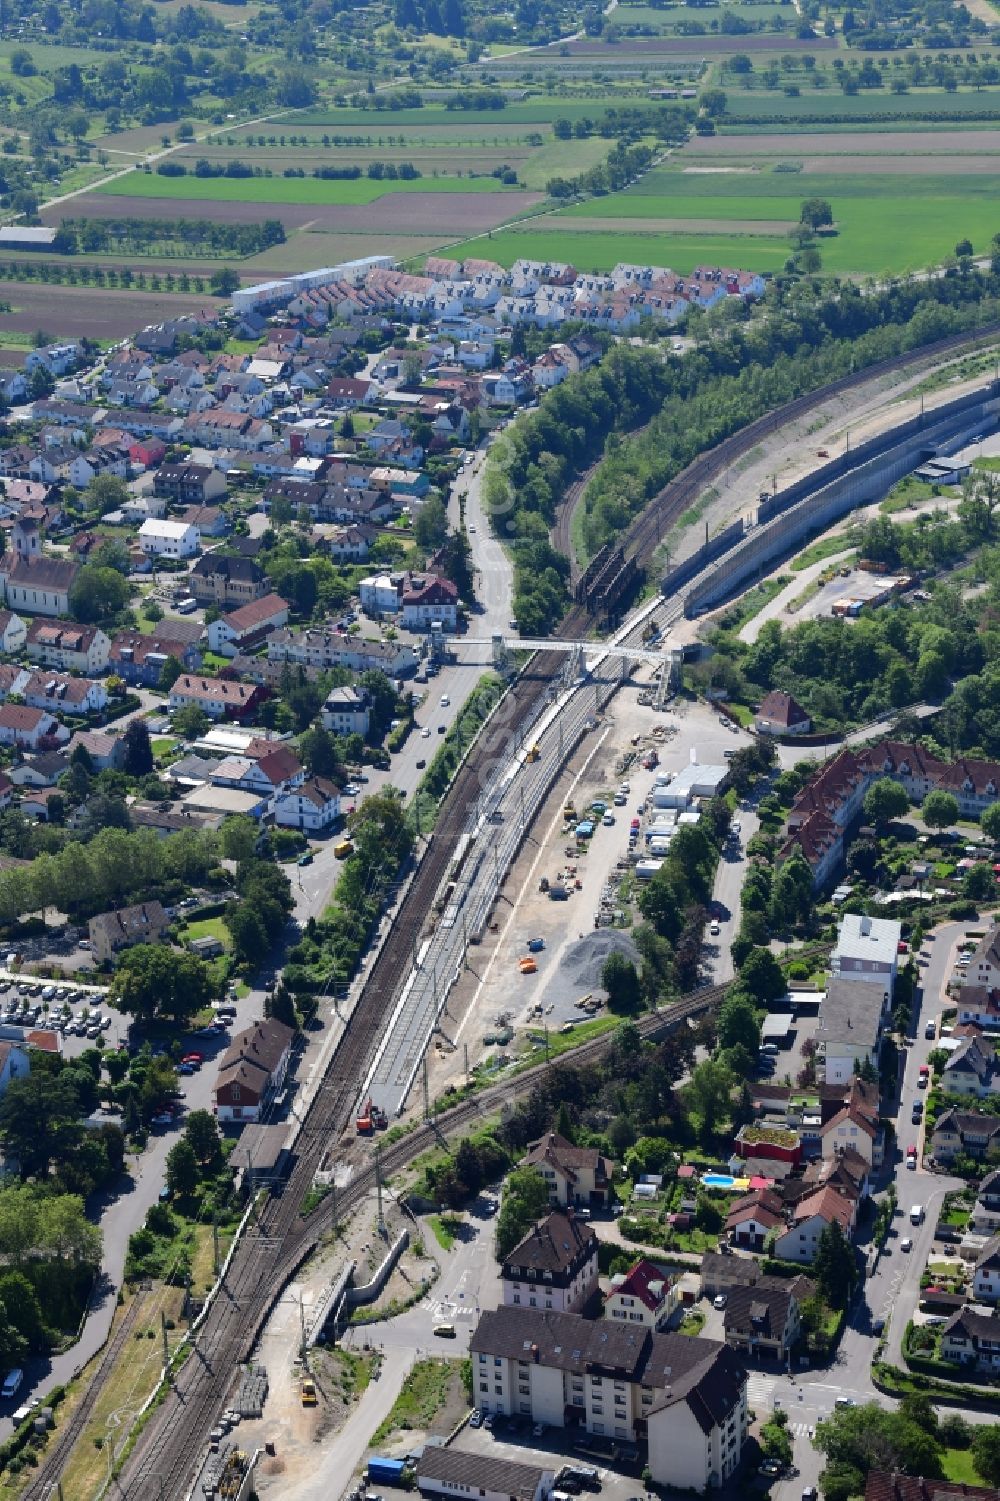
<point x="718" y="1180"/>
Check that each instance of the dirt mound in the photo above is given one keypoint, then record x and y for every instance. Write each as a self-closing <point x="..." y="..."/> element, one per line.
<point x="581" y="965"/>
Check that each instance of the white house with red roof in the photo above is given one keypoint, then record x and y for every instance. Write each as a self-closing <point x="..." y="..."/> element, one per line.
<point x="429" y="600"/>
<point x="312" y="807"/>
<point x="247" y="626"/>
<point x="29" y="728"/>
<point x="647" y="1295"/>
<point x="810" y="1217"/>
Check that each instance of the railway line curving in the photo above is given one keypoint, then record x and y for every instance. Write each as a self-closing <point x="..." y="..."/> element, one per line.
<point x="271" y="1252"/>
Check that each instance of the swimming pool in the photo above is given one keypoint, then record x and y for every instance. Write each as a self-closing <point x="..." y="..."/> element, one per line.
<point x="724" y="1180"/>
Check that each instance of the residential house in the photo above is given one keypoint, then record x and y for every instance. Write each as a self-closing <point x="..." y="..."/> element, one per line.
<point x="252" y="1070"/>
<point x="216" y="698"/>
<point x="646" y="1294"/>
<point x="455" y="1473"/>
<point x="972" y="1340"/>
<point x="882" y="1486"/>
<point x="984" y="970"/>
<point x="554" y="1266"/>
<point x="30" y="729"/>
<point x="852" y="1017"/>
<point x="73" y="648"/>
<point x="211" y="521"/>
<point x="70" y="695"/>
<point x="380" y="594"/>
<point x="686" y="1397"/>
<point x="429" y="600"/>
<point x="147" y="453"/>
<point x="986" y="1276"/>
<point x="580" y="1176"/>
<point x="346" y="711"/>
<point x="169" y="539"/>
<point x="269" y="771"/>
<point x="965" y="1133"/>
<point x="979" y="1007"/>
<point x="721" y="1272"/>
<point x="189" y="484"/>
<point x="972" y="1069"/>
<point x="140" y="659"/>
<point x="41" y="771"/>
<point x="765" y="1320"/>
<point x="985" y="1219"/>
<point x="227" y="582"/>
<point x="752" y="1218"/>
<point x="351" y="544"/>
<point x="312" y="806"/>
<point x="779" y="714"/>
<point x="809" y="1218"/>
<point x="110" y="932"/>
<point x="106" y="748"/>
<point x="246" y="627"/>
<point x="13" y="633"/>
<point x="855" y="1127"/>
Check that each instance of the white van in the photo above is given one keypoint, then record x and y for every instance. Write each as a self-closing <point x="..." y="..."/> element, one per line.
<point x="917" y="1215"/>
<point x="11" y="1383"/>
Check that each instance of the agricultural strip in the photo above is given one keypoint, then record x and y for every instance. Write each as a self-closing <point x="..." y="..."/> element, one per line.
<point x="264" y="190"/>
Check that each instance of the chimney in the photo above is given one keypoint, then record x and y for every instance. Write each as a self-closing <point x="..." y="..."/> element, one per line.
<point x="866" y="925"/>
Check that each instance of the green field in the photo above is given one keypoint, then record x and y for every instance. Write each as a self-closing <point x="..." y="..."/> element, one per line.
<point x="287" y="189"/>
<point x="884" y="223"/>
<point x="665" y="22"/>
<point x="600" y="252"/>
<point x="833" y="105"/>
<point x="540" y="111"/>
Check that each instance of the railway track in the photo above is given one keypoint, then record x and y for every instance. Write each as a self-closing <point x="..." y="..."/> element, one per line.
<point x="267" y="1258"/>
<point x="67" y="1434"/>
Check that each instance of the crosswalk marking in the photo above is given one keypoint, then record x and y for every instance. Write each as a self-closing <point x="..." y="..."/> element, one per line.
<point x="442" y="1308"/>
<point x="801" y="1430"/>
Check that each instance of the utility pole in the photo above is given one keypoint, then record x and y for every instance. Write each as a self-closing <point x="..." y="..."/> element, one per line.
<point x="465" y="1047"/>
<point x="302" y="1331"/>
<point x="427" y="1093"/>
<point x="215" y="1243"/>
<point x="378" y="1187"/>
<point x="166" y="1346"/>
<point x="546" y="1027"/>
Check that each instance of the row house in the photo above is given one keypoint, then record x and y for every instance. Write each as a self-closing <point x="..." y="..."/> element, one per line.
<point x="216" y="698"/>
<point x="316" y="651"/>
<point x="220" y="429"/>
<point x="140" y="659"/>
<point x="686" y="1398"/>
<point x="189" y="484"/>
<point x="68" y="695"/>
<point x="71" y="648"/>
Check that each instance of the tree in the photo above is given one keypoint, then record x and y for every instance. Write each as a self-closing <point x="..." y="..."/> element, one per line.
<point x="939" y="810"/>
<point x="858" y="1439"/>
<point x="138" y="749"/>
<point x="182" y="1168"/>
<point x="238" y="837"/>
<point x="249" y="934"/>
<point x="884" y="801"/>
<point x="737" y="1023"/>
<point x="431" y="525"/>
<point x="525" y="1200"/>
<point x="153" y="980"/>
<point x="621" y="980"/>
<point x="106" y="492"/>
<point x="979" y="883"/>
<point x="707" y="1095"/>
<point x="40" y="1120"/>
<point x="190" y="722"/>
<point x="97" y="593"/>
<point x="169" y="673"/>
<point x="224" y="281"/>
<point x="280" y="1004"/>
<point x="834" y="1267"/>
<point x="986" y="1453"/>
<point x="816" y="213"/>
<point x="990" y="821"/>
<point x="761" y="977"/>
<point x="318" y="749"/>
<point x="201" y="1132"/>
<point x="979" y="503"/>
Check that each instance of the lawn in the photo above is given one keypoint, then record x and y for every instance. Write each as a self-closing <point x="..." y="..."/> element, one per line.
<point x="424" y="1393"/>
<point x="343" y="193"/>
<point x="958" y="1467"/>
<point x="209" y="927"/>
<point x="444" y="1227"/>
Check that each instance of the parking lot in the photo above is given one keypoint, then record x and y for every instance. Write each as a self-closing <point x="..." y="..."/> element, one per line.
<point x="78" y="1013"/>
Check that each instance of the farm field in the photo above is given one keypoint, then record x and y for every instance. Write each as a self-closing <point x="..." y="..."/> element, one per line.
<point x="867" y="141"/>
<point x="831" y="107"/>
<point x="71" y="313"/>
<point x="267" y="190"/>
<point x="892" y="213"/>
<point x="664" y="22"/>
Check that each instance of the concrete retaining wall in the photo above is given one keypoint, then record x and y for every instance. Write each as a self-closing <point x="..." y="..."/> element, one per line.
<point x="357" y="1297"/>
<point x="826" y="501"/>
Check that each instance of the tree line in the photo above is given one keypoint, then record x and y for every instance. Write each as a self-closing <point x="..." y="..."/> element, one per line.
<point x="142" y="236"/>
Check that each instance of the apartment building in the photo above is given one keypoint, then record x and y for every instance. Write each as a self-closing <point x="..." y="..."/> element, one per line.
<point x="554" y="1266"/>
<point x="685" y="1398"/>
<point x="575" y="1175"/>
<point x="646" y="1294"/>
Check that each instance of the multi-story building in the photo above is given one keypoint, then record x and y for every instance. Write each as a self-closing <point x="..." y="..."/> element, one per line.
<point x="809" y="1218"/>
<point x="227" y="582"/>
<point x="553" y="1267"/>
<point x="986" y="1274"/>
<point x="252" y="1070"/>
<point x="346" y="711"/>
<point x="110" y="932"/>
<point x="316" y="651"/>
<point x="984" y="969"/>
<point x="685" y="1398"/>
<point x="311" y="807"/>
<point x="985" y="1218"/>
<point x="867" y="949"/>
<point x="72" y="648"/>
<point x="169" y="539"/>
<point x="215" y="697"/>
<point x="765" y="1319"/>
<point x="852" y="1016"/>
<point x="972" y="1069"/>
<point x="190" y="484"/>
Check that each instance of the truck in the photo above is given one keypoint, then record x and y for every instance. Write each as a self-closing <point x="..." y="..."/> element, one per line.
<point x="534" y="752"/>
<point x="383" y="1471"/>
<point x="372" y="1118"/>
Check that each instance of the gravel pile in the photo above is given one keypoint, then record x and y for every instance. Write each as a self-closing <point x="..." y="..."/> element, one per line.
<point x="580" y="969"/>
